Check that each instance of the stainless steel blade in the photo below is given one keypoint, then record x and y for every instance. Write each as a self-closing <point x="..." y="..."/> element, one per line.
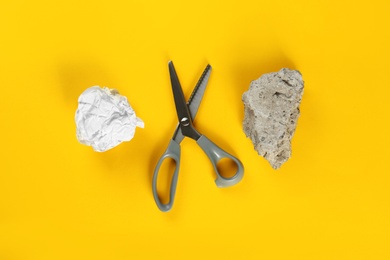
<point x="194" y="100"/>
<point x="180" y="102"/>
<point x="198" y="92"/>
<point x="182" y="111"/>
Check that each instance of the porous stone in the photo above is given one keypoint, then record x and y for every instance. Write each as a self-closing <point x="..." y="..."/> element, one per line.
<point x="271" y="112"/>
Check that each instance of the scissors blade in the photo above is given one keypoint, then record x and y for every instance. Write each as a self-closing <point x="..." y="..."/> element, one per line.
<point x="178" y="96"/>
<point x="194" y="101"/>
<point x="198" y="92"/>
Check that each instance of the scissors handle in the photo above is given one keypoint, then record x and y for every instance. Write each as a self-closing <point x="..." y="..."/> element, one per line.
<point x="215" y="154"/>
<point x="173" y="152"/>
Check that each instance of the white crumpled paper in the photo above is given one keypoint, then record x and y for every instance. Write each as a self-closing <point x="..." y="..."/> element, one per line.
<point x="104" y="119"/>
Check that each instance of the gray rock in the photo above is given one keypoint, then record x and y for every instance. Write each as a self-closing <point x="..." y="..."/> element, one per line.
<point x="271" y="114"/>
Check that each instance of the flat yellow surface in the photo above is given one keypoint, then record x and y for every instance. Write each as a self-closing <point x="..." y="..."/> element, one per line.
<point x="61" y="200"/>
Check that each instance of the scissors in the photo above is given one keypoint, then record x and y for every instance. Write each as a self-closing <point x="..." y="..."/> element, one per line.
<point x="186" y="113"/>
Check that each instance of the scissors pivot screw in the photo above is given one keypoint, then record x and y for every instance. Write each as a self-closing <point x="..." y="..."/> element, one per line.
<point x="185" y="121"/>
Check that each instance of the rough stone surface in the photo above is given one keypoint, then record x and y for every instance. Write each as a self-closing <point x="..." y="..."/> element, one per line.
<point x="271" y="113"/>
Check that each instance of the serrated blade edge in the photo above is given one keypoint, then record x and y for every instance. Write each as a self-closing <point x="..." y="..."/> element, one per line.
<point x="198" y="92"/>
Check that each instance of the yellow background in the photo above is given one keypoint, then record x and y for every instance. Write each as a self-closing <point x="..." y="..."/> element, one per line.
<point x="61" y="200"/>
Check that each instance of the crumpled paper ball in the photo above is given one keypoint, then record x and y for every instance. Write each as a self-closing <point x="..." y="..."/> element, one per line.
<point x="104" y="119"/>
<point x="271" y="112"/>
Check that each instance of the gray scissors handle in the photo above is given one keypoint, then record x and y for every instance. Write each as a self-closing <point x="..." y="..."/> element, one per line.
<point x="215" y="154"/>
<point x="173" y="152"/>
